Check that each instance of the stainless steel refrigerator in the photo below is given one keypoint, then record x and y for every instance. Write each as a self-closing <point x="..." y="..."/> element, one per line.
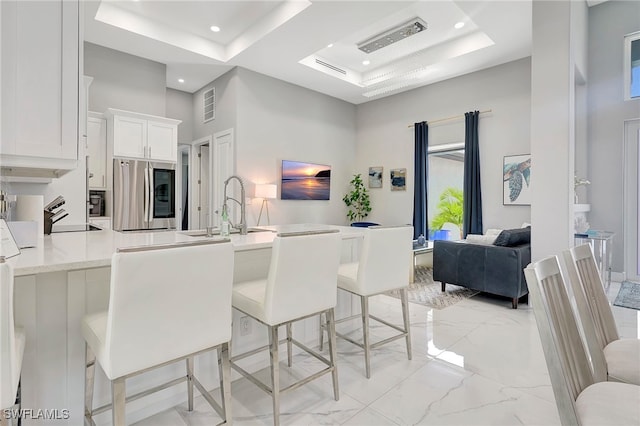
<point x="144" y="195"/>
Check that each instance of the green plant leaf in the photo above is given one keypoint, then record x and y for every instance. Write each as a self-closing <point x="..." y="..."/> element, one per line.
<point x="450" y="208"/>
<point x="357" y="200"/>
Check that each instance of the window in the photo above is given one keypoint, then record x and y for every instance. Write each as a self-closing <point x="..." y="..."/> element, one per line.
<point x="446" y="177"/>
<point x="632" y="66"/>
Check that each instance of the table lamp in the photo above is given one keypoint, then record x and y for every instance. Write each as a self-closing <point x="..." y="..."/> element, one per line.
<point x="265" y="191"/>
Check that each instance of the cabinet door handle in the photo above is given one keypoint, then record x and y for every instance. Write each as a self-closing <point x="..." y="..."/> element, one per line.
<point x="103" y="181"/>
<point x="149" y="152"/>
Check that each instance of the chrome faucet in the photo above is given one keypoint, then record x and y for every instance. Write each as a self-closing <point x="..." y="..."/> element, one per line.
<point x="242" y="226"/>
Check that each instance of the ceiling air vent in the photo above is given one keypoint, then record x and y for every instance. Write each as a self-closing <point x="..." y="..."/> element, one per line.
<point x="331" y="67"/>
<point x="209" y="103"/>
<point x="394" y="35"/>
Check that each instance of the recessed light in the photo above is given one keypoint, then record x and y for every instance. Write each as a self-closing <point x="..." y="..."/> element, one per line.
<point x="458" y="25"/>
<point x="181" y="80"/>
<point x="366" y="62"/>
<point x="215" y="28"/>
<point x="330" y="45"/>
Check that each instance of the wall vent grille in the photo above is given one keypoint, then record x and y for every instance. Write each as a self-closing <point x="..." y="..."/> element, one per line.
<point x="209" y="103"/>
<point x="331" y="67"/>
<point x="393" y="35"/>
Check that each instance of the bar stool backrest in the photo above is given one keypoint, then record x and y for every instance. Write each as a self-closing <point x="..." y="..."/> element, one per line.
<point x="167" y="302"/>
<point x="581" y="258"/>
<point x="588" y="312"/>
<point x="9" y="371"/>
<point x="385" y="259"/>
<point x="303" y="275"/>
<point x="564" y="351"/>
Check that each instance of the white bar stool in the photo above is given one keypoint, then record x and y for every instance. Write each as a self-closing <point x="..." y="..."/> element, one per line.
<point x="12" y="340"/>
<point x="167" y="303"/>
<point x="301" y="283"/>
<point x="386" y="252"/>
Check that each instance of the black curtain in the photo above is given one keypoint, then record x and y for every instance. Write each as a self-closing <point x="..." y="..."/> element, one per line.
<point x="472" y="214"/>
<point x="420" y="184"/>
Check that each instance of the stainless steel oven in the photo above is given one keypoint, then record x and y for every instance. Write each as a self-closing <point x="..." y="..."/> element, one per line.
<point x="144" y="195"/>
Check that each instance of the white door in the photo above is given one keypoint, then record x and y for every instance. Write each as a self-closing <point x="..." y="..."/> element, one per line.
<point x="203" y="186"/>
<point x="632" y="187"/>
<point x="182" y="187"/>
<point x="162" y="141"/>
<point x="224" y="165"/>
<point x="129" y="137"/>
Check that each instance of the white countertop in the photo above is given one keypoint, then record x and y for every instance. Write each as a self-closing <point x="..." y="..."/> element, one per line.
<point x="93" y="249"/>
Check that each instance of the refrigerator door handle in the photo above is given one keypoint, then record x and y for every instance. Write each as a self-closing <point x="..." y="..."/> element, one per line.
<point x="146" y="194"/>
<point x="151" y="193"/>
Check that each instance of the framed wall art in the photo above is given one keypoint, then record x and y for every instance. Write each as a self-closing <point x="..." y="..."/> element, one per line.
<point x="305" y="181"/>
<point x="375" y="177"/>
<point x="516" y="180"/>
<point x="398" y="179"/>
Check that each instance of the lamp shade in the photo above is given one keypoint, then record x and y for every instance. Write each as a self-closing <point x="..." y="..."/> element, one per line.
<point x="265" y="190"/>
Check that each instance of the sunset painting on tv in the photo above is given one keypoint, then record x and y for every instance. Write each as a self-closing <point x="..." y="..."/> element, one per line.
<point x="305" y="181"/>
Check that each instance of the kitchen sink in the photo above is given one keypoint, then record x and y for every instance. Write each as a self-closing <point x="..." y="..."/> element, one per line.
<point x="216" y="231"/>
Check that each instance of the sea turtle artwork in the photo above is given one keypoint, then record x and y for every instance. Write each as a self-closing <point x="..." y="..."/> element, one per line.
<point x="517" y="174"/>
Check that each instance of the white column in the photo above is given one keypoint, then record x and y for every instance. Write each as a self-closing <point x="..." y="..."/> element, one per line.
<point x="552" y="128"/>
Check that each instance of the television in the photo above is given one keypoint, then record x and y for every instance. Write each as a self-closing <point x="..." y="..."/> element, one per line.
<point x="305" y="181"/>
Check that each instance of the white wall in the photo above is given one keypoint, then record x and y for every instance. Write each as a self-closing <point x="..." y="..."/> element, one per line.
<point x="608" y="23"/>
<point x="124" y="81"/>
<point x="180" y="107"/>
<point x="226" y="106"/>
<point x="280" y="121"/>
<point x="383" y="138"/>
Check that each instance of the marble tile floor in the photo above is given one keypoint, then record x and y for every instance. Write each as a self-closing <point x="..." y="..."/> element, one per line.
<point x="478" y="362"/>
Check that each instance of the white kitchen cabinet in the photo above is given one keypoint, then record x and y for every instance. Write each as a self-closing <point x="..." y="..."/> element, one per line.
<point x="162" y="141"/>
<point x="97" y="148"/>
<point x="144" y="136"/>
<point x="40" y="84"/>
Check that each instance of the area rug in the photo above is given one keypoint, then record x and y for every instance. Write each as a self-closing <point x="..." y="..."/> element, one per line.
<point x="424" y="291"/>
<point x="629" y="295"/>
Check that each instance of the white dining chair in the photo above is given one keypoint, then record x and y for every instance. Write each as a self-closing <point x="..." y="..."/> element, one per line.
<point x="612" y="358"/>
<point x="12" y="342"/>
<point x="301" y="283"/>
<point x="580" y="399"/>
<point x="383" y="266"/>
<point x="167" y="303"/>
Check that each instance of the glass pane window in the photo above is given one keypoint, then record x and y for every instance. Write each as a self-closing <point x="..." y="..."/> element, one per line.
<point x="444" y="192"/>
<point x="632" y="66"/>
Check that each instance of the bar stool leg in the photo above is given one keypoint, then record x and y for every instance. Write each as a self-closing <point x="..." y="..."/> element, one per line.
<point x="224" y="367"/>
<point x="321" y="330"/>
<point x="331" y="326"/>
<point x="19" y="401"/>
<point x="289" y="345"/>
<point x="405" y="317"/>
<point x="364" y="301"/>
<point x="275" y="373"/>
<point x="118" y="393"/>
<point x="89" y="376"/>
<point x="190" y="383"/>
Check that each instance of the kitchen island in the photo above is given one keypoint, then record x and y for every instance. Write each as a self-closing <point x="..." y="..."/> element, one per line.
<point x="67" y="277"/>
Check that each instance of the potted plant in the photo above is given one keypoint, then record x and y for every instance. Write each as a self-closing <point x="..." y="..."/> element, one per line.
<point x="450" y="208"/>
<point x="358" y="201"/>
